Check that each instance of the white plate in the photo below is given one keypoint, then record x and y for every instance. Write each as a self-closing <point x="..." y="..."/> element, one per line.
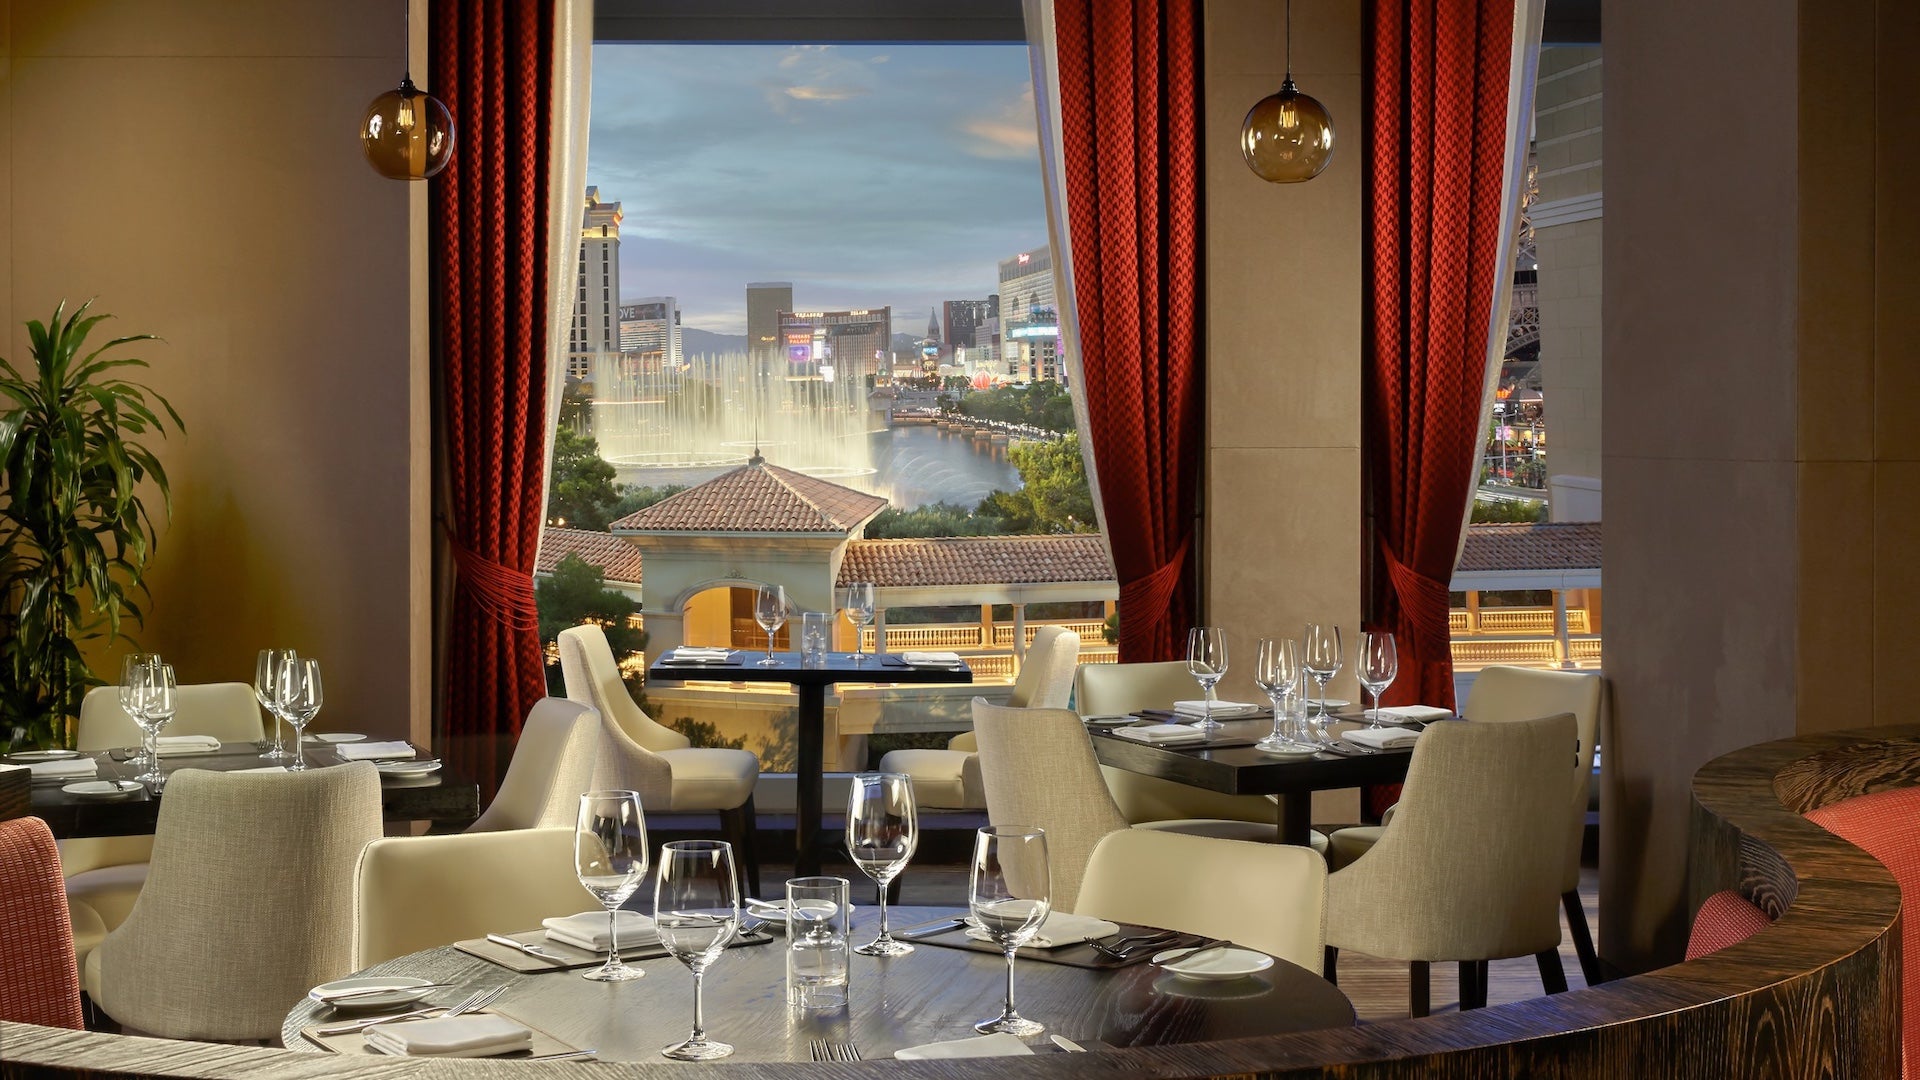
<point x="1289" y="755"/>
<point x="1108" y="721"/>
<point x="43" y="755"/>
<point x="335" y="737"/>
<point x="103" y="789"/>
<point x="1219" y="964"/>
<point x="407" y="768"/>
<point x="1334" y="704"/>
<point x="406" y="989"/>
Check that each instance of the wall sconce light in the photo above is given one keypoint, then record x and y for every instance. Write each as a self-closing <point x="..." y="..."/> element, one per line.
<point x="1287" y="137"/>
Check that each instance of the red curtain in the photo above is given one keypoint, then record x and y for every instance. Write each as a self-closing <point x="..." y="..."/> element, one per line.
<point x="1436" y="124"/>
<point x="492" y="64"/>
<point x="1131" y="127"/>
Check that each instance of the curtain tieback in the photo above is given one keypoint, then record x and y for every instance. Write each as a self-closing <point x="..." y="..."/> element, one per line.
<point x="1424" y="600"/>
<point x="1152" y="593"/>
<point x="503" y="593"/>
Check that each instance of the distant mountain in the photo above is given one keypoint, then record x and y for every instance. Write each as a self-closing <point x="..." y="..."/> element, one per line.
<point x="697" y="342"/>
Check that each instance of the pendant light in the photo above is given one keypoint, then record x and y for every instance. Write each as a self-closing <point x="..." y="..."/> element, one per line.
<point x="407" y="133"/>
<point x="1287" y="137"/>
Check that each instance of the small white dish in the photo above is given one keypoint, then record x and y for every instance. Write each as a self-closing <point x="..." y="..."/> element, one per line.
<point x="335" y="737"/>
<point x="406" y="989"/>
<point x="103" y="789"/>
<point x="769" y="911"/>
<point x="1296" y="753"/>
<point x="1215" y="965"/>
<point x="407" y="768"/>
<point x="43" y="755"/>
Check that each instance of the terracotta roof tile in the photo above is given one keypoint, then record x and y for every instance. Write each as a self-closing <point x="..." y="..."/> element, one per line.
<point x="758" y="498"/>
<point x="1557" y="545"/>
<point x="617" y="559"/>
<point x="977" y="560"/>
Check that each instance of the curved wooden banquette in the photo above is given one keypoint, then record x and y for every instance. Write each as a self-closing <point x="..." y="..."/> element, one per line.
<point x="1814" y="994"/>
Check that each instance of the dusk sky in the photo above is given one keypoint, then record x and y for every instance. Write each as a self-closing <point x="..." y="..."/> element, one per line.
<point x="866" y="175"/>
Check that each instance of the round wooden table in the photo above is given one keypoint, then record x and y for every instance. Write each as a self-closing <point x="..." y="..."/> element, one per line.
<point x="935" y="993"/>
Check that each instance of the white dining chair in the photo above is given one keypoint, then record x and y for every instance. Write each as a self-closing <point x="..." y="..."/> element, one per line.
<point x="950" y="779"/>
<point x="552" y="766"/>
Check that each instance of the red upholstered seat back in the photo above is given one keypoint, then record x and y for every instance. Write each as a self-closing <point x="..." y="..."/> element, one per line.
<point x="38" y="981"/>
<point x="1727" y="918"/>
<point x="1886" y="825"/>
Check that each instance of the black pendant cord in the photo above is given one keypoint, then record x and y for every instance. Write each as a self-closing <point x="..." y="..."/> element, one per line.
<point x="1289" y="77"/>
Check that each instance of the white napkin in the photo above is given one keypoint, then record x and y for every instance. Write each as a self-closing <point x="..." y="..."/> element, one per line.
<point x="367" y="751"/>
<point x="1222" y="710"/>
<point x="1382" y="738"/>
<point x="186" y="744"/>
<point x="1415" y="714"/>
<point x="64" y="769"/>
<point x="931" y="659"/>
<point x="699" y="652"/>
<point x="1058" y="930"/>
<point x="473" y="1035"/>
<point x="1162" y="734"/>
<point x="264" y="768"/>
<point x="997" y="1045"/>
<point x="588" y="930"/>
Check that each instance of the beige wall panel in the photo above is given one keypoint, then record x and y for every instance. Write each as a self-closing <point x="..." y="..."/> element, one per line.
<point x="212" y="28"/>
<point x="1896" y="592"/>
<point x="7" y="320"/>
<point x="1248" y="37"/>
<point x="1839" y="611"/>
<point x="223" y="204"/>
<point x="1896" y="250"/>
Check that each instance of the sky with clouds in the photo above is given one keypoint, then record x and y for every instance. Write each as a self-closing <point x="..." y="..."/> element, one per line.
<point x="864" y="174"/>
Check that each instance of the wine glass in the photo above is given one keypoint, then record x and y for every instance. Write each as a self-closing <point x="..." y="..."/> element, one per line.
<point x="696" y="908"/>
<point x="132" y="688"/>
<point x="1207" y="663"/>
<point x="859" y="609"/>
<point x="1008" y="892"/>
<point x="882" y="832"/>
<point x="610" y="858"/>
<point x="156" y="701"/>
<point x="266" y="683"/>
<point x="300" y="697"/>
<point x="1277" y="671"/>
<point x="1375" y="667"/>
<point x="1321" y="657"/>
<point x="770" y="611"/>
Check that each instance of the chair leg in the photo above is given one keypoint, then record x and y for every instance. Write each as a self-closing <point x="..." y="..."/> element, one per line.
<point x="1582" y="938"/>
<point x="1473" y="984"/>
<point x="741" y="827"/>
<point x="1327" y="966"/>
<point x="1552" y="975"/>
<point x="1417" y="987"/>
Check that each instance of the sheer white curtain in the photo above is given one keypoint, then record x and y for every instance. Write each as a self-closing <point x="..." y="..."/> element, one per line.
<point x="567" y="187"/>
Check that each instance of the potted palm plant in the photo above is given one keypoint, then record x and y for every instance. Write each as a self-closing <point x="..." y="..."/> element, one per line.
<point x="75" y="533"/>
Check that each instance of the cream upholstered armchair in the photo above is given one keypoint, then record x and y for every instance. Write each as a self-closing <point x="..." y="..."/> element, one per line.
<point x="1502" y="694"/>
<point x="637" y="754"/>
<point x="421" y="892"/>
<point x="1038" y="769"/>
<point x="1458" y="873"/>
<point x="104" y="873"/>
<point x="553" y="765"/>
<point x="1269" y="897"/>
<point x="950" y="779"/>
<point x="248" y="905"/>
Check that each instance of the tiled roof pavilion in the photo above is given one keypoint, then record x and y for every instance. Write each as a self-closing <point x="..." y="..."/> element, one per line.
<point x="1541" y="555"/>
<point x="757" y="498"/>
<point x="618" y="560"/>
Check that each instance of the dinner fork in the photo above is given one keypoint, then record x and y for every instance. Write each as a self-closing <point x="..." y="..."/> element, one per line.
<point x="1119" y="950"/>
<point x="479" y="999"/>
<point x="822" y="1050"/>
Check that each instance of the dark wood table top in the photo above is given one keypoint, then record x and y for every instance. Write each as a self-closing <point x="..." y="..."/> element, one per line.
<point x="934" y="994"/>
<point x="1229" y="764"/>
<point x="744" y="666"/>
<point x="439" y="796"/>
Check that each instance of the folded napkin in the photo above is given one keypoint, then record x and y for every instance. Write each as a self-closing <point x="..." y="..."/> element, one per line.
<point x="588" y="930"/>
<point x="1382" y="738"/>
<point x="264" y="768"/>
<point x="997" y="1045"/>
<point x="1413" y="714"/>
<point x="186" y="744"/>
<point x="700" y="652"/>
<point x="1222" y="710"/>
<point x="1162" y="734"/>
<point x="1058" y="930"/>
<point x="473" y="1035"/>
<point x="931" y="659"/>
<point x="368" y="751"/>
<point x="64" y="769"/>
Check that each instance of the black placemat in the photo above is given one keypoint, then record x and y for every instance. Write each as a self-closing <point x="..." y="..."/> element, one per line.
<point x="572" y="958"/>
<point x="1080" y="956"/>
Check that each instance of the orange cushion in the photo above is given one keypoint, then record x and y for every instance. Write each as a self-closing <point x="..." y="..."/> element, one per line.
<point x="38" y="981"/>
<point x="1727" y="918"/>
<point x="1883" y="825"/>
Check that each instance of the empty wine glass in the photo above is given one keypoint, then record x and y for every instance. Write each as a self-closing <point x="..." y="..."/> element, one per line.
<point x="300" y="697"/>
<point x="1321" y="656"/>
<point x="610" y="858"/>
<point x="1375" y="667"/>
<point x="882" y="831"/>
<point x="132" y="685"/>
<point x="1207" y="663"/>
<point x="859" y="609"/>
<point x="770" y="611"/>
<point x="156" y="700"/>
<point x="696" y="908"/>
<point x="1009" y="895"/>
<point x="266" y="684"/>
<point x="1277" y="671"/>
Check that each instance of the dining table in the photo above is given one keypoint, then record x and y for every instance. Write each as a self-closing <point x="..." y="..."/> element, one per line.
<point x="933" y="994"/>
<point x="441" y="797"/>
<point x="809" y="680"/>
<point x="1228" y="762"/>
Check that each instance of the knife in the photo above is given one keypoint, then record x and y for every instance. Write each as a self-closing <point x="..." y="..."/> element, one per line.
<point x="1068" y="1045"/>
<point x="530" y="950"/>
<point x="928" y="929"/>
<point x="1189" y="954"/>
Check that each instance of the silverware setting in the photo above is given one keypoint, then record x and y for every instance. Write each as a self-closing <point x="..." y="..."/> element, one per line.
<point x="938" y="926"/>
<point x="1127" y="946"/>
<point x="479" y="999"/>
<point x="825" y="1050"/>
<point x="563" y="1055"/>
<point x="1189" y="954"/>
<point x="375" y="991"/>
<point x="521" y="946"/>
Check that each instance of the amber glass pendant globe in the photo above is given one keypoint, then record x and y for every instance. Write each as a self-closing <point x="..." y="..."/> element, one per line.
<point x="1287" y="137"/>
<point x="408" y="133"/>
